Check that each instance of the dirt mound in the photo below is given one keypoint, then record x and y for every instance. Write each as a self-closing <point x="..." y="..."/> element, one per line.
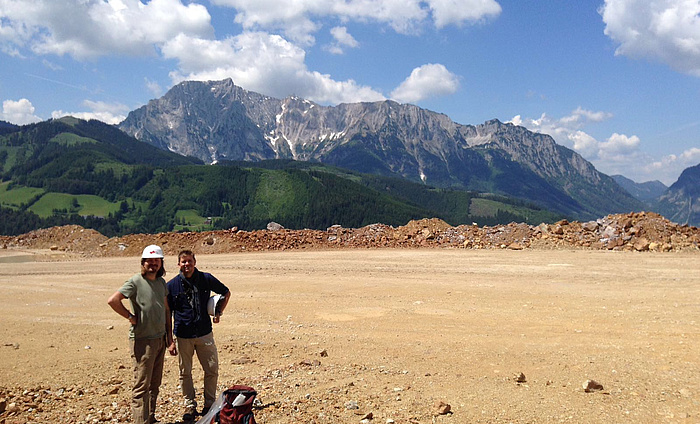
<point x="68" y="238"/>
<point x="642" y="231"/>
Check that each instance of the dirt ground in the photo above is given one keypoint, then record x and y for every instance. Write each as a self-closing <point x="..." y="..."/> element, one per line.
<point x="390" y="332"/>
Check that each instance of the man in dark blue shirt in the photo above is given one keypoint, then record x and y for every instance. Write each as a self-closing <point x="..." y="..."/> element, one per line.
<point x="188" y="295"/>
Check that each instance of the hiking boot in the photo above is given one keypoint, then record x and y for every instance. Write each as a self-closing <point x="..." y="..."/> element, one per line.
<point x="189" y="415"/>
<point x="205" y="410"/>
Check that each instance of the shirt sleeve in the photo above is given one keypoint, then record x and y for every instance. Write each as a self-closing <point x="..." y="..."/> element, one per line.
<point x="128" y="289"/>
<point x="215" y="285"/>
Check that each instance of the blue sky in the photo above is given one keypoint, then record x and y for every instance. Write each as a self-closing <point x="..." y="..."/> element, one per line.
<point x="618" y="81"/>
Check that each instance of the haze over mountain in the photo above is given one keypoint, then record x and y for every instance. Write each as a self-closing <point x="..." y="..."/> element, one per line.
<point x="646" y="191"/>
<point x="218" y="120"/>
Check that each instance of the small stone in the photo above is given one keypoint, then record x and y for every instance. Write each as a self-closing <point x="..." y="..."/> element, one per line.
<point x="351" y="404"/>
<point x="592" y="386"/>
<point x="590" y="226"/>
<point x="520" y="378"/>
<point x="110" y="327"/>
<point x="242" y="361"/>
<point x="641" y="245"/>
<point x="368" y="416"/>
<point x="273" y="226"/>
<point x="442" y="408"/>
<point x="324" y="353"/>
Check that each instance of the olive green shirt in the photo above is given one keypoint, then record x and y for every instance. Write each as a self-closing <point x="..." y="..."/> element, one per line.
<point x="148" y="304"/>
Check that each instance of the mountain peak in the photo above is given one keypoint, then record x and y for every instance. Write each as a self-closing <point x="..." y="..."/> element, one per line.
<point x="219" y="121"/>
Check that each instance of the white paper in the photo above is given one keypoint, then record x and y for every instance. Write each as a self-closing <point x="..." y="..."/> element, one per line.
<point x="239" y="400"/>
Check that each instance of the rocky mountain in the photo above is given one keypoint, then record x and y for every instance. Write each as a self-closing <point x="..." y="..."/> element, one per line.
<point x="681" y="202"/>
<point x="646" y="192"/>
<point x="218" y="120"/>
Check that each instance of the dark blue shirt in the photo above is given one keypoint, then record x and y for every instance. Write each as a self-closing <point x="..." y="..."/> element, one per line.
<point x="188" y="299"/>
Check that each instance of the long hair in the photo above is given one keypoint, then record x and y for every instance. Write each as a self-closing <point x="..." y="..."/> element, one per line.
<point x="161" y="270"/>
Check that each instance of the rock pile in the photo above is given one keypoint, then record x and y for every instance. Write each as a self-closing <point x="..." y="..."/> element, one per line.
<point x="643" y="231"/>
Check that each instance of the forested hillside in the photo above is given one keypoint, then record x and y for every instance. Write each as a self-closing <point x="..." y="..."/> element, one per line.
<point x="71" y="171"/>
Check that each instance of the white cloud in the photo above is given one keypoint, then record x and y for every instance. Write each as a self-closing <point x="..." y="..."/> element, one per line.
<point x="86" y="29"/>
<point x="342" y="39"/>
<point x="153" y="87"/>
<point x="618" y="154"/>
<point x="669" y="167"/>
<point x="260" y="62"/>
<point x="429" y="80"/>
<point x="582" y="116"/>
<point x="51" y="65"/>
<point x="691" y="156"/>
<point x="255" y="59"/>
<point x="456" y="12"/>
<point x="583" y="143"/>
<point x="20" y="112"/>
<point x="618" y="145"/>
<point x="667" y="31"/>
<point x="296" y="18"/>
<point x="568" y="129"/>
<point x="110" y="113"/>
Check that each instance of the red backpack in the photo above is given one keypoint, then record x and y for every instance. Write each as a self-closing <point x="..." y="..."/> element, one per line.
<point x="238" y="406"/>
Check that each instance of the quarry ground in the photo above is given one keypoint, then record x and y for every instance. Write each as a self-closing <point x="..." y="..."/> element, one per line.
<point x="393" y="332"/>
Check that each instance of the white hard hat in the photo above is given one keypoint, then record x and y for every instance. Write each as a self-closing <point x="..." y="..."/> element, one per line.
<point x="152" y="251"/>
<point x="212" y="302"/>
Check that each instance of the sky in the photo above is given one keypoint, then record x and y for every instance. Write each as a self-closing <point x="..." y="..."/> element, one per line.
<point x="618" y="81"/>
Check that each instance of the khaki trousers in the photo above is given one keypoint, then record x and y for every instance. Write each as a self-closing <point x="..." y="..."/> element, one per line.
<point x="148" y="356"/>
<point x="209" y="359"/>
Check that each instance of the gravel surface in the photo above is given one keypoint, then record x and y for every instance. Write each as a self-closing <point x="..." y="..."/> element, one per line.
<point x="425" y="323"/>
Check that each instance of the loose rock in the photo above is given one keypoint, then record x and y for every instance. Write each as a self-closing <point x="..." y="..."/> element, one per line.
<point x="592" y="386"/>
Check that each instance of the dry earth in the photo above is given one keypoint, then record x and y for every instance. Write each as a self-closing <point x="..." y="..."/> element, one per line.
<point x="392" y="331"/>
<point x="641" y="232"/>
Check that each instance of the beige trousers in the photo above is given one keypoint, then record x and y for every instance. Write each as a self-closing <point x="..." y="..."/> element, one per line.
<point x="148" y="356"/>
<point x="209" y="359"/>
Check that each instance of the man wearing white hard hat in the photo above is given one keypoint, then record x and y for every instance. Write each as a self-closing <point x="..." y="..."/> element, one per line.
<point x="189" y="299"/>
<point x="150" y="331"/>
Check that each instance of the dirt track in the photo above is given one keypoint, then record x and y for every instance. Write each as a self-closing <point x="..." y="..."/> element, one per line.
<point x="402" y="329"/>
